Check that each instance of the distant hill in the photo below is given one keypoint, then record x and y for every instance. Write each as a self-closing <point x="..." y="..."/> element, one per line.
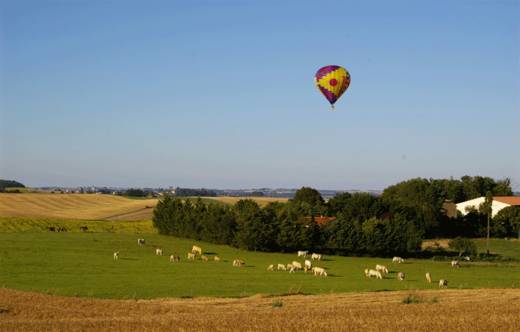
<point x="10" y="184"/>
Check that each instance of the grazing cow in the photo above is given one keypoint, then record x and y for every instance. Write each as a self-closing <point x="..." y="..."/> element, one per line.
<point x="158" y="252"/>
<point x="302" y="253"/>
<point x="216" y="258"/>
<point x="315" y="256"/>
<point x="289" y="267"/>
<point x="382" y="269"/>
<point x="400" y="276"/>
<point x="270" y="267"/>
<point x="204" y="258"/>
<point x="281" y="267"/>
<point x="455" y="263"/>
<point x="83" y="228"/>
<point x="397" y="260"/>
<point x="116" y="255"/>
<point x="196" y="250"/>
<point x="308" y="264"/>
<point x="238" y="263"/>
<point x="319" y="271"/>
<point x="428" y="277"/>
<point x="191" y="256"/>
<point x="297" y="265"/>
<point x="140" y="242"/>
<point x="175" y="258"/>
<point x="443" y="283"/>
<point x="374" y="273"/>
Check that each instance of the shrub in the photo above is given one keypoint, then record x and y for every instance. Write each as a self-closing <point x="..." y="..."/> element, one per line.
<point x="463" y="246"/>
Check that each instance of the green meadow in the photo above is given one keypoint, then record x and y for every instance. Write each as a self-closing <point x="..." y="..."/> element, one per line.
<point x="82" y="264"/>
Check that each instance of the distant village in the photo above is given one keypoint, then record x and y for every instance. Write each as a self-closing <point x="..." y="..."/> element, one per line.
<point x="184" y="192"/>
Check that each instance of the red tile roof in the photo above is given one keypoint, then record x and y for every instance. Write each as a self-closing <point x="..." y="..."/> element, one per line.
<point x="321" y="220"/>
<point x="511" y="200"/>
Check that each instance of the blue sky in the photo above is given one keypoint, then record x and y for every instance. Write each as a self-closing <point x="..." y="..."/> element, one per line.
<point x="221" y="93"/>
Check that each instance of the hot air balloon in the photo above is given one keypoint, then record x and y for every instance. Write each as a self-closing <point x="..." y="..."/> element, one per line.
<point x="332" y="81"/>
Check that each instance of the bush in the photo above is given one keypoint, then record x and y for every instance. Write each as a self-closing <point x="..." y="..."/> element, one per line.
<point x="463" y="246"/>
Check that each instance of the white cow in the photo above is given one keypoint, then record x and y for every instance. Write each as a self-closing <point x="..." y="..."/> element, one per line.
<point x="281" y="267"/>
<point x="158" y="252"/>
<point x="373" y="273"/>
<point x="455" y="263"/>
<point x="174" y="258"/>
<point x="302" y="253"/>
<point x="443" y="283"/>
<point x="397" y="260"/>
<point x="238" y="263"/>
<point x="116" y="255"/>
<point x="297" y="265"/>
<point x="216" y="259"/>
<point x="270" y="267"/>
<point x="315" y="256"/>
<point x="196" y="250"/>
<point x="140" y="242"/>
<point x="319" y="271"/>
<point x="382" y="269"/>
<point x="308" y="264"/>
<point x="428" y="277"/>
<point x="400" y="276"/>
<point x="191" y="256"/>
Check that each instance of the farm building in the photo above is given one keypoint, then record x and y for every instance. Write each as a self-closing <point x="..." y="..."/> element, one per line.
<point x="499" y="203"/>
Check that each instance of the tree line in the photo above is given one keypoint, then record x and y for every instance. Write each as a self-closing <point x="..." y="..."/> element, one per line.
<point x="363" y="224"/>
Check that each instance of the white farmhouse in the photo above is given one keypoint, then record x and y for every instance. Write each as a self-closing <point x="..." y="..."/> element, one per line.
<point x="499" y="203"/>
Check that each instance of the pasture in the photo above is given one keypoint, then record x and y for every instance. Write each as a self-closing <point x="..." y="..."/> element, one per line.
<point x="81" y="264"/>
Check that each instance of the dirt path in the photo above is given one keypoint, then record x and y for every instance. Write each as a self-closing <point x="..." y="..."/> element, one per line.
<point x="448" y="310"/>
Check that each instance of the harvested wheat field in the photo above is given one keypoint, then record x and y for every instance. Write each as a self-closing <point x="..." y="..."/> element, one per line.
<point x="76" y="206"/>
<point x="262" y="201"/>
<point x="447" y="310"/>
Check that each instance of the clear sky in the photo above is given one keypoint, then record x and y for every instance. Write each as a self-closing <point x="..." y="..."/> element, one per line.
<point x="221" y="93"/>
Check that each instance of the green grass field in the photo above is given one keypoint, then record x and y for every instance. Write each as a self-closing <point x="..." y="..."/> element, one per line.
<point x="81" y="264"/>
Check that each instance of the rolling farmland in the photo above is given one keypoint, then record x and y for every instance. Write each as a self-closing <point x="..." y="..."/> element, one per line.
<point x="75" y="206"/>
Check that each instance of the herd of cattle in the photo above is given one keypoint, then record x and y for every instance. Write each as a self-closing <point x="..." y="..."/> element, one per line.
<point x="378" y="272"/>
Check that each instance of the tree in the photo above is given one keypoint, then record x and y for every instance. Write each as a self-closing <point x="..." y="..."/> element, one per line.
<point x="463" y="246"/>
<point x="310" y="196"/>
<point x="507" y="222"/>
<point x="486" y="208"/>
<point x="256" y="230"/>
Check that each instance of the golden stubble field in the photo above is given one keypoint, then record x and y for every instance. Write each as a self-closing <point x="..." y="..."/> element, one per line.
<point x="443" y="310"/>
<point x="75" y="206"/>
<point x="91" y="206"/>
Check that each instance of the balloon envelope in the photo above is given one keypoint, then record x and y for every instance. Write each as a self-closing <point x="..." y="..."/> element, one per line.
<point x="332" y="81"/>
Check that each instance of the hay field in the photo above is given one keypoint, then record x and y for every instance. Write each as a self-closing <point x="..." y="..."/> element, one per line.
<point x="262" y="201"/>
<point x="91" y="206"/>
<point x="447" y="310"/>
<point x="75" y="206"/>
